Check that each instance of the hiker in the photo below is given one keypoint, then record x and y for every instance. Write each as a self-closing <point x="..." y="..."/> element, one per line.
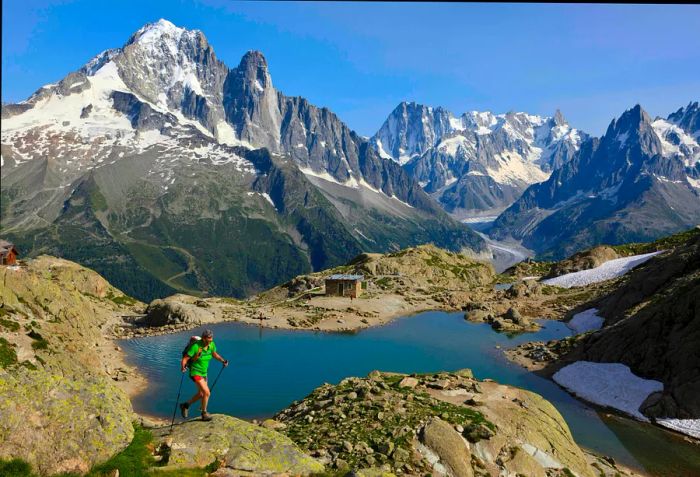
<point x="197" y="360"/>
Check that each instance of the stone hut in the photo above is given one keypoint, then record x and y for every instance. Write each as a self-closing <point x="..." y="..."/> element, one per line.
<point x="344" y="285"/>
<point x="8" y="253"/>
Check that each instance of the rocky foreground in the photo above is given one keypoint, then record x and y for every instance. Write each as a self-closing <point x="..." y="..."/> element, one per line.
<point x="65" y="403"/>
<point x="441" y="424"/>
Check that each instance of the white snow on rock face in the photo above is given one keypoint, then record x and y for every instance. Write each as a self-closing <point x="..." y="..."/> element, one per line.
<point x="690" y="427"/>
<point x="587" y="320"/>
<point x="608" y="270"/>
<point x="608" y="384"/>
<point x="676" y="142"/>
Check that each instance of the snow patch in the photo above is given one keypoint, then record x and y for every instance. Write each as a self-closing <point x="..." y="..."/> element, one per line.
<point x="359" y="232"/>
<point x="382" y="153"/>
<point x="608" y="270"/>
<point x="267" y="197"/>
<point x="587" y="320"/>
<point x="456" y="123"/>
<point x="608" y="384"/>
<point x="514" y="169"/>
<point x="480" y="219"/>
<point x="451" y="145"/>
<point x="690" y="427"/>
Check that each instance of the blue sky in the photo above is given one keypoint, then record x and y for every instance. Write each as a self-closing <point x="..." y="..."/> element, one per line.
<point x="361" y="59"/>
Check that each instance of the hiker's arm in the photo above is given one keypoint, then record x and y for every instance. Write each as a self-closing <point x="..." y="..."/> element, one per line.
<point x="183" y="363"/>
<point x="218" y="356"/>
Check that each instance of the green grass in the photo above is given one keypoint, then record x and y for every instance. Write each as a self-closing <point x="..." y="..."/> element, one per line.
<point x="137" y="460"/>
<point x="121" y="299"/>
<point x="97" y="200"/>
<point x="383" y="282"/>
<point x="38" y="341"/>
<point x="460" y="270"/>
<point x="661" y="244"/>
<point x="40" y="344"/>
<point x="8" y="356"/>
<point x="15" y="468"/>
<point x="9" y="324"/>
<point x="156" y="260"/>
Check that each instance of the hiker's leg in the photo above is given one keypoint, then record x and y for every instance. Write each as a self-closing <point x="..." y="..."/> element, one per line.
<point x="204" y="391"/>
<point x="197" y="396"/>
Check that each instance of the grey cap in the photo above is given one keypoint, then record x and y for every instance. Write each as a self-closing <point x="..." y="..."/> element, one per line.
<point x="207" y="334"/>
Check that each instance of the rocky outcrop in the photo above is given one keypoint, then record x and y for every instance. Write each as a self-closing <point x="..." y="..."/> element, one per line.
<point x="62" y="422"/>
<point x="61" y="410"/>
<point x="508" y="320"/>
<point x="171" y="312"/>
<point x="426" y="265"/>
<point x="583" y="261"/>
<point x="236" y="446"/>
<point x="652" y="325"/>
<point x="524" y="289"/>
<point x="442" y="423"/>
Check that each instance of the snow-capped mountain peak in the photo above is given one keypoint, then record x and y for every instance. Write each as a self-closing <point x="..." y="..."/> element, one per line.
<point x="449" y="155"/>
<point x="161" y="31"/>
<point x="680" y="135"/>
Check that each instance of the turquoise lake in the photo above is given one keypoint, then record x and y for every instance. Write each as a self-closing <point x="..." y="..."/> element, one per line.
<point x="272" y="368"/>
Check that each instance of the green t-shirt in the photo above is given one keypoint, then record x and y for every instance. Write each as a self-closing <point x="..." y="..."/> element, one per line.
<point x="199" y="366"/>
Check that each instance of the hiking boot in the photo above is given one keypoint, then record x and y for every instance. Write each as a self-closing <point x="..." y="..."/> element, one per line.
<point x="206" y="416"/>
<point x="184" y="409"/>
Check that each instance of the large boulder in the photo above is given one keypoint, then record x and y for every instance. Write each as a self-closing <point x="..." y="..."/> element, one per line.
<point x="584" y="260"/>
<point x="301" y="284"/>
<point x="238" y="445"/>
<point x="170" y="312"/>
<point x="449" y="446"/>
<point x="524" y="288"/>
<point x="59" y="423"/>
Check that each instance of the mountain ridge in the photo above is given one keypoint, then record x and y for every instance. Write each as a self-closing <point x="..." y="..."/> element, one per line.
<point x="149" y="127"/>
<point x="632" y="184"/>
<point x="477" y="163"/>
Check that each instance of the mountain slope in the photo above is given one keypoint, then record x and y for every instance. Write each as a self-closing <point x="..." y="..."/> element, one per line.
<point x="142" y="164"/>
<point x="636" y="183"/>
<point x="478" y="163"/>
<point x="652" y="324"/>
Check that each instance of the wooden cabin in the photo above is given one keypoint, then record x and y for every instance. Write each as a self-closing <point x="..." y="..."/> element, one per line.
<point x="8" y="253"/>
<point x="344" y="285"/>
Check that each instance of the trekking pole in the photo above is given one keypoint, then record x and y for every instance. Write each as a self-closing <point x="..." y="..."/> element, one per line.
<point x="177" y="401"/>
<point x="217" y="378"/>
